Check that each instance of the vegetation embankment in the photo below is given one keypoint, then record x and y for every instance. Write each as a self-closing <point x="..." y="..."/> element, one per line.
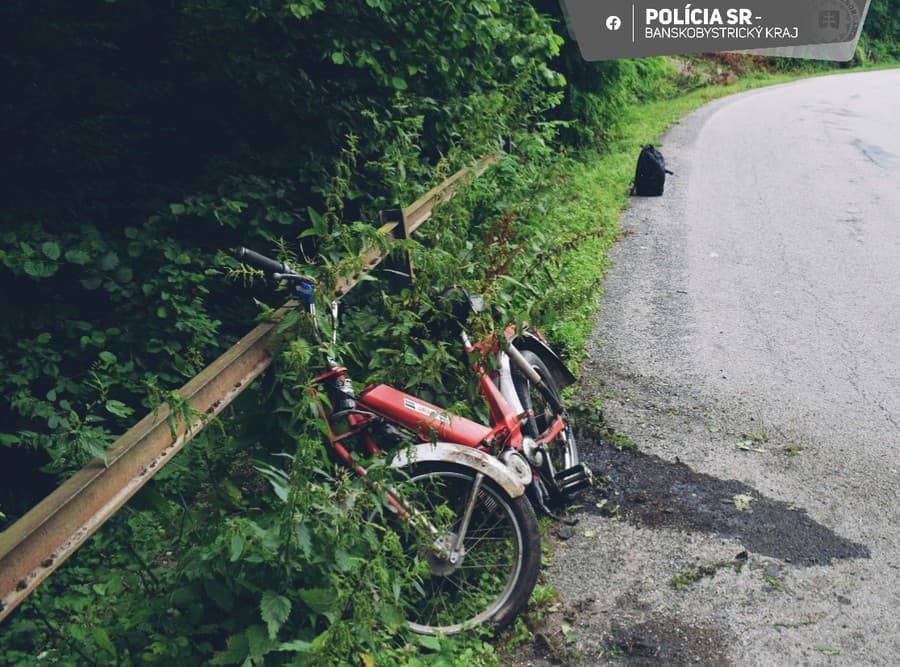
<point x="145" y="138"/>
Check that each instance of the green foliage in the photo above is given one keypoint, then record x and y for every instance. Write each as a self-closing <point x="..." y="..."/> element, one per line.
<point x="161" y="134"/>
<point x="606" y="88"/>
<point x="165" y="132"/>
<point x="880" y="40"/>
<point x="281" y="560"/>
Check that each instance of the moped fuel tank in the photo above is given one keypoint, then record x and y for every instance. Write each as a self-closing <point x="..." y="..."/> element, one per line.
<point x="428" y="421"/>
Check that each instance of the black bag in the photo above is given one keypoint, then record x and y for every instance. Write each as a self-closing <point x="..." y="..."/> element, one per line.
<point x="650" y="175"/>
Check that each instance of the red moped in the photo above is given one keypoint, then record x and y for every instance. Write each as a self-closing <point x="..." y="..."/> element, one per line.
<point x="463" y="512"/>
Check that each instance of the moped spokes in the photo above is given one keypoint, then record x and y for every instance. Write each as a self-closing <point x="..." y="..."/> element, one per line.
<point x="481" y="565"/>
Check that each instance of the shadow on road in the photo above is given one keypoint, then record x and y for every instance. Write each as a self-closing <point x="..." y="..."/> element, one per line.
<point x="657" y="493"/>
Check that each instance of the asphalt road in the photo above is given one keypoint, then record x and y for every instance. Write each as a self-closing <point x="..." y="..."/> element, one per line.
<point x="749" y="345"/>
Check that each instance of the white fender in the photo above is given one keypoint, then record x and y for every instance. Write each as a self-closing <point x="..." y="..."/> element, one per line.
<point x="468" y="457"/>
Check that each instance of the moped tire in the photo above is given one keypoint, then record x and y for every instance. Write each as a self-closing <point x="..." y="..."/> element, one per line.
<point x="563" y="452"/>
<point x="499" y="566"/>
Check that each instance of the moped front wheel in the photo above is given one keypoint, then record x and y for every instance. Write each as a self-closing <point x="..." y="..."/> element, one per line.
<point x="489" y="578"/>
<point x="563" y="452"/>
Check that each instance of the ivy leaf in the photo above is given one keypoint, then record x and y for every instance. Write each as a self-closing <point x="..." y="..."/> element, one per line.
<point x="344" y="561"/>
<point x="39" y="268"/>
<point x="275" y="611"/>
<point x="390" y="616"/>
<point x="337" y="58"/>
<point x="118" y="408"/>
<point x="304" y="540"/>
<point x="302" y="10"/>
<point x="103" y="641"/>
<point x="76" y="256"/>
<point x="398" y="82"/>
<point x="258" y="643"/>
<point x="297" y="646"/>
<point x="318" y="223"/>
<point x="276" y="478"/>
<point x="429" y="642"/>
<point x="237" y="546"/>
<point x="94" y="448"/>
<point x="320" y="600"/>
<point x="236" y="650"/>
<point x="51" y="249"/>
<point x="109" y="261"/>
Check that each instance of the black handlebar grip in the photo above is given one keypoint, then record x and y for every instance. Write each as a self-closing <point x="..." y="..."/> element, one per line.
<point x="260" y="261"/>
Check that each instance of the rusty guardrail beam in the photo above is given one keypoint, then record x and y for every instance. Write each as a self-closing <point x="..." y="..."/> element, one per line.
<point x="33" y="547"/>
<point x="38" y="543"/>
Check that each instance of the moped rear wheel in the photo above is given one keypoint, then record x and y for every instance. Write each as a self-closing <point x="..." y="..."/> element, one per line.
<point x="497" y="567"/>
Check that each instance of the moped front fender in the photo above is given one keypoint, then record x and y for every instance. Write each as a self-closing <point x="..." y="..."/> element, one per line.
<point x="468" y="457"/>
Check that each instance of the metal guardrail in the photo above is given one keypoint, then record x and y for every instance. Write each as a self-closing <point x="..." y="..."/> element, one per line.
<point x="38" y="543"/>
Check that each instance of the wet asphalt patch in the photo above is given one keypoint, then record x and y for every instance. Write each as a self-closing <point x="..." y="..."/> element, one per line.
<point x="664" y="641"/>
<point x="634" y="638"/>
<point x="656" y="493"/>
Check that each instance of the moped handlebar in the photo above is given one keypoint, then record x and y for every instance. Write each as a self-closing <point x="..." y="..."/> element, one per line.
<point x="278" y="270"/>
<point x="260" y="261"/>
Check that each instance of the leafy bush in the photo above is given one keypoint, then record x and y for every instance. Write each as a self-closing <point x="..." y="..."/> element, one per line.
<point x="165" y="132"/>
<point x="161" y="134"/>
